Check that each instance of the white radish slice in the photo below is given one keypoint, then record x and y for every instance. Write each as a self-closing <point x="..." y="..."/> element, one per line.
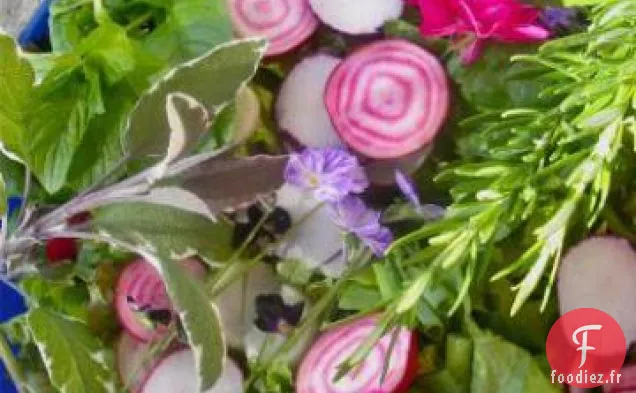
<point x="285" y="23"/>
<point x="300" y="109"/>
<point x="320" y="366"/>
<point x="626" y="384"/>
<point x="237" y="303"/>
<point x="176" y="373"/>
<point x="133" y="364"/>
<point x="357" y="16"/>
<point x="600" y="273"/>
<point x="142" y="282"/>
<point x="316" y="240"/>
<point x="388" y="99"/>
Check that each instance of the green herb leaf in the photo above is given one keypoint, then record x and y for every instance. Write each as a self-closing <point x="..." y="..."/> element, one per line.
<point x="74" y="358"/>
<point x="16" y="89"/>
<point x="224" y="69"/>
<point x="200" y="319"/>
<point x="171" y="231"/>
<point x="189" y="30"/>
<point x="502" y="367"/>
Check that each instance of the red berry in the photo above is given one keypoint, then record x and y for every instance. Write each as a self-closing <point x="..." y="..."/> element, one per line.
<point x="61" y="249"/>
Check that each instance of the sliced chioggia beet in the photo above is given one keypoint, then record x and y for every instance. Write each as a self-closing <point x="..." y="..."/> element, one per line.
<point x="315" y="239"/>
<point x="357" y="16"/>
<point x="388" y="99"/>
<point x="284" y="23"/>
<point x="134" y="361"/>
<point x="236" y="304"/>
<point x="140" y="290"/>
<point x="176" y="373"/>
<point x="600" y="273"/>
<point x="320" y="366"/>
<point x="300" y="109"/>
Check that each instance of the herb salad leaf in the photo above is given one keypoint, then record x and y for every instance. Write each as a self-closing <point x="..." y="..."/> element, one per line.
<point x="16" y="89"/>
<point x="75" y="360"/>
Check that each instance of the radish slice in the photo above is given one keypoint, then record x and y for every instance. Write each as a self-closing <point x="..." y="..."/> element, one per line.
<point x="237" y="303"/>
<point x="626" y="384"/>
<point x="600" y="273"/>
<point x="320" y="366"/>
<point x="357" y="16"/>
<point x="141" y="283"/>
<point x="285" y="23"/>
<point x="300" y="108"/>
<point x="388" y="99"/>
<point x="176" y="373"/>
<point x="132" y="363"/>
<point x="316" y="240"/>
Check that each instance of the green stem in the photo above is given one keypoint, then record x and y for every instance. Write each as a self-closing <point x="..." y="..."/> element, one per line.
<point x="139" y="21"/>
<point x="617" y="225"/>
<point x="12" y="366"/>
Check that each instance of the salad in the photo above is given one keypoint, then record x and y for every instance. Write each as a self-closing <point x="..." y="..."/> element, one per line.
<point x="315" y="196"/>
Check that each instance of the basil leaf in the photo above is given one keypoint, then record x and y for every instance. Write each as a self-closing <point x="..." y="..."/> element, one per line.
<point x="502" y="367"/>
<point x="190" y="29"/>
<point x="16" y="89"/>
<point x="74" y="358"/>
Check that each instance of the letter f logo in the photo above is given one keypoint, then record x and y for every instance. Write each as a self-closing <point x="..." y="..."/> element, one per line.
<point x="583" y="344"/>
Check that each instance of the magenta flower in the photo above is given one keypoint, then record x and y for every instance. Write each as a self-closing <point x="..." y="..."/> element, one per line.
<point x="353" y="216"/>
<point x="330" y="173"/>
<point x="474" y="22"/>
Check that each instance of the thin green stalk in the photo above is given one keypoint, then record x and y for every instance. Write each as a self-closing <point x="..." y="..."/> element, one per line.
<point x="139" y="21"/>
<point x="12" y="366"/>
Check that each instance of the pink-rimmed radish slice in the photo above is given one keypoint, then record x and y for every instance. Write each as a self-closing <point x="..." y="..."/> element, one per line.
<point x="388" y="99"/>
<point x="320" y="366"/>
<point x="176" y="373"/>
<point x="600" y="273"/>
<point x="284" y="23"/>
<point x="134" y="361"/>
<point x="300" y="108"/>
<point x="142" y="283"/>
<point x="357" y="16"/>
<point x="626" y="383"/>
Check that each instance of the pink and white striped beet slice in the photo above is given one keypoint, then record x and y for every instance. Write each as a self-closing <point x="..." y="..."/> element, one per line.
<point x="284" y="23"/>
<point x="320" y="365"/>
<point x="388" y="99"/>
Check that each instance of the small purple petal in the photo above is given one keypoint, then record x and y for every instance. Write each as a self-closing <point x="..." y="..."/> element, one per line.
<point x="408" y="188"/>
<point x="331" y="173"/>
<point x="562" y="21"/>
<point x="353" y="215"/>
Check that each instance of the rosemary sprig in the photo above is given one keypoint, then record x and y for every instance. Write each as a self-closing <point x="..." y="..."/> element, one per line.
<point x="533" y="177"/>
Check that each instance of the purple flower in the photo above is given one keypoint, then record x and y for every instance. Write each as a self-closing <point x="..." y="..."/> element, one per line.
<point x="408" y="188"/>
<point x="330" y="173"/>
<point x="562" y="21"/>
<point x="353" y="215"/>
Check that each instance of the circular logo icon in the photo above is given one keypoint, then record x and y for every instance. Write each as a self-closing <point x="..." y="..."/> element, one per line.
<point x="586" y="348"/>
